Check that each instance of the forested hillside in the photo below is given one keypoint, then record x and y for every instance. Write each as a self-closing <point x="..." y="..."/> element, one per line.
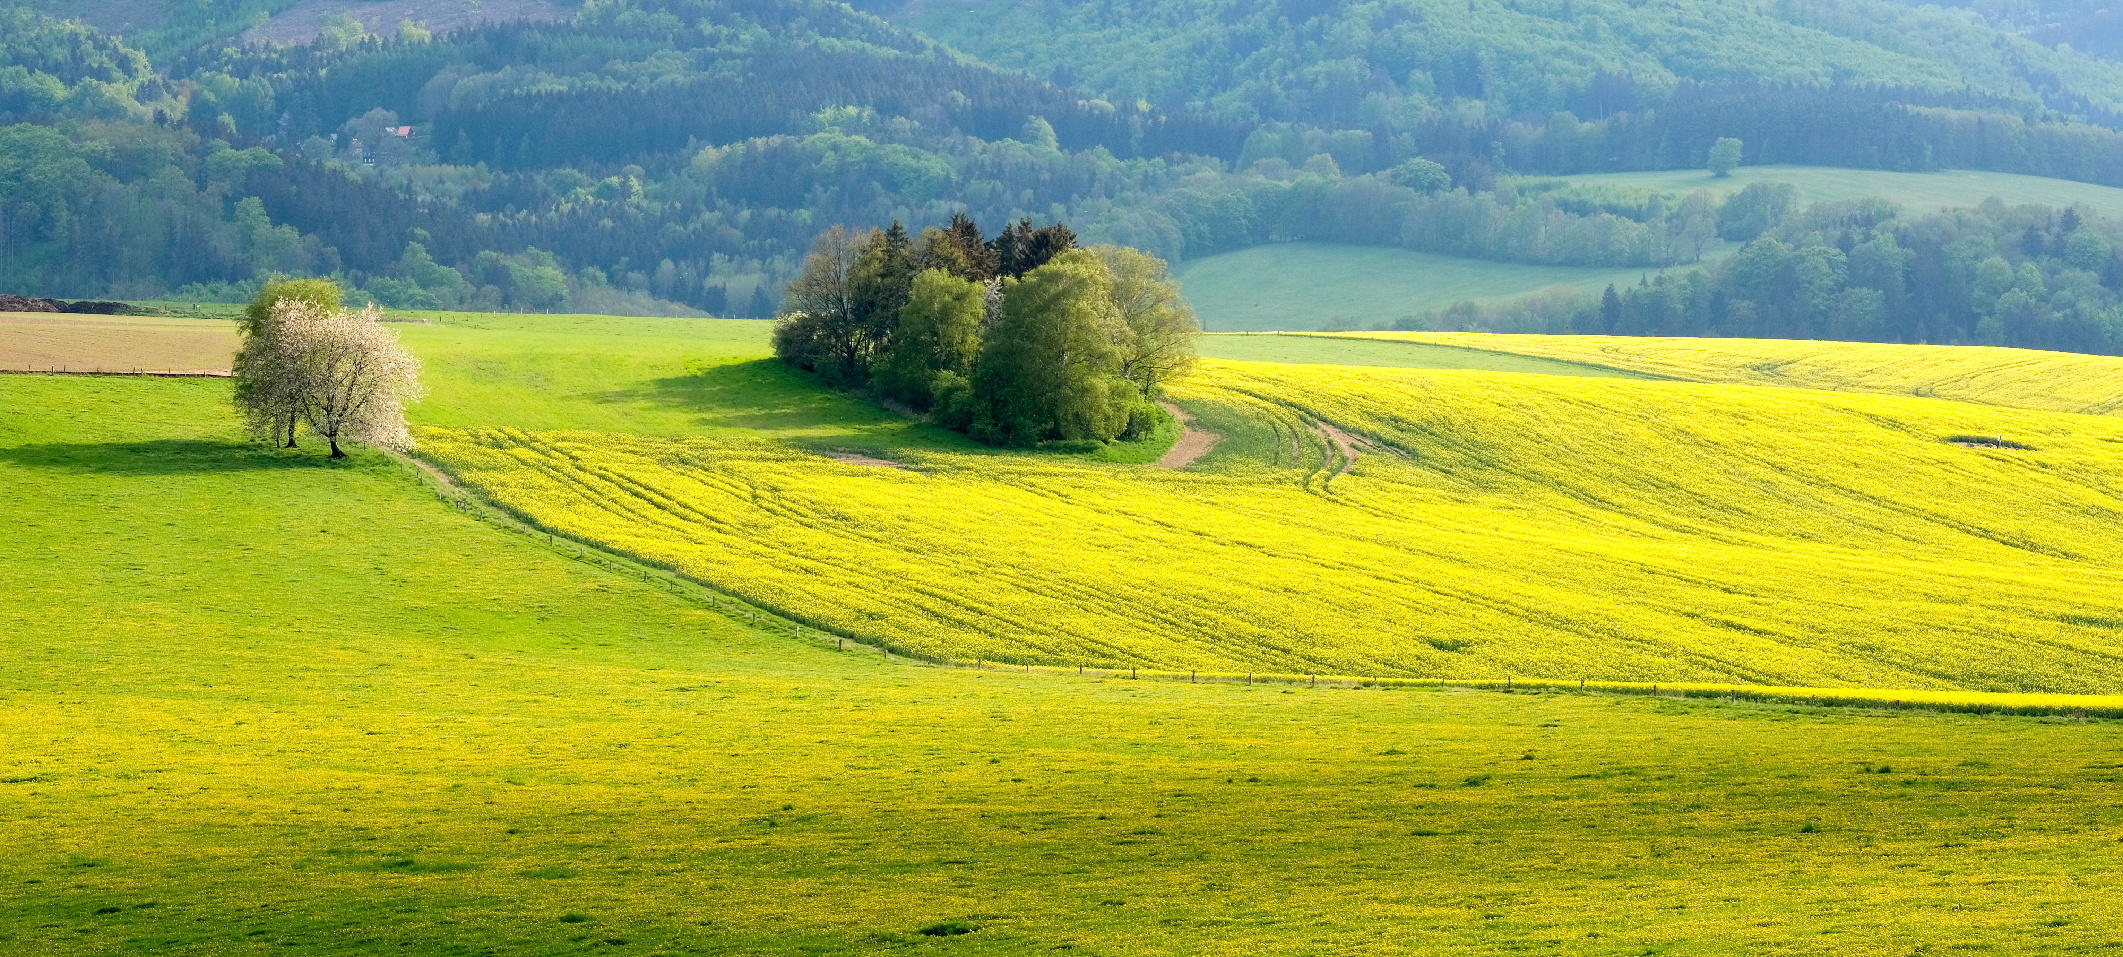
<point x="1863" y="271"/>
<point x="1385" y="62"/>
<point x="674" y="155"/>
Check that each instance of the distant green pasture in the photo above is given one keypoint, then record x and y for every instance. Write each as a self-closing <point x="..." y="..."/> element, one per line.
<point x="1921" y="192"/>
<point x="1307" y="286"/>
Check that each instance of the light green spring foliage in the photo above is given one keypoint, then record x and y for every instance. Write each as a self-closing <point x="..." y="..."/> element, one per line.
<point x="939" y="332"/>
<point x="325" y="294"/>
<point x="1158" y="344"/>
<point x="1052" y="365"/>
<point x="234" y="728"/>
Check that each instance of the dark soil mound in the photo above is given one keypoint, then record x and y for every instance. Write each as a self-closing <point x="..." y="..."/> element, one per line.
<point x="28" y="304"/>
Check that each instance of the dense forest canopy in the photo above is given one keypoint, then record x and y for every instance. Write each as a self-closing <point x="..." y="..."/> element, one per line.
<point x="670" y="155"/>
<point x="1387" y="63"/>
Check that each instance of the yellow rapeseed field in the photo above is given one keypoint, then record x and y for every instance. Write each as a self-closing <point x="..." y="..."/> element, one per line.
<point x="1491" y="524"/>
<point x="2018" y="378"/>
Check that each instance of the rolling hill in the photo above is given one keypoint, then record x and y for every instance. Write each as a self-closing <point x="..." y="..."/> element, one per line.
<point x="262" y="701"/>
<point x="1461" y="540"/>
<point x="2014" y="378"/>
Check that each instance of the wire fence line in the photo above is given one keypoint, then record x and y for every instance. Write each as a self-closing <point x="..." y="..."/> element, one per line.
<point x="143" y="373"/>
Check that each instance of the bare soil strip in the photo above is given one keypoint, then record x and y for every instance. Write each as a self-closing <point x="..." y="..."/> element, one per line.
<point x="1193" y="443"/>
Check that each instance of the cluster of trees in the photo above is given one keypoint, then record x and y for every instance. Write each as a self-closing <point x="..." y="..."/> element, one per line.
<point x="1015" y="340"/>
<point x="2030" y="277"/>
<point x="305" y="361"/>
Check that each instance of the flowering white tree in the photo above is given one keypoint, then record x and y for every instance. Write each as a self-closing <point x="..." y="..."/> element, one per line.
<point x="342" y="373"/>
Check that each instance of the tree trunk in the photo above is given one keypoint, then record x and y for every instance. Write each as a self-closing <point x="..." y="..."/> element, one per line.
<point x="290" y="432"/>
<point x="335" y="446"/>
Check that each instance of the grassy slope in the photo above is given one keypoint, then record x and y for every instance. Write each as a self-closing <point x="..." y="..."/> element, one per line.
<point x="1304" y="286"/>
<point x="1918" y="191"/>
<point x="2015" y="378"/>
<point x="1440" y="563"/>
<point x="257" y="704"/>
<point x="1300" y="286"/>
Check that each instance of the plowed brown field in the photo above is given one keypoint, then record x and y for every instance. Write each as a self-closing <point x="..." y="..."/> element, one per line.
<point x="45" y="341"/>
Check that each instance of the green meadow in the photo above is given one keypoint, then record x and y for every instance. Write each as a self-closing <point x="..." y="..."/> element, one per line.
<point x="1307" y="286"/>
<point x="1922" y="192"/>
<point x="256" y="702"/>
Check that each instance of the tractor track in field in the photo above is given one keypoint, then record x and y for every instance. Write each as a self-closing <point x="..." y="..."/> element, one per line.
<point x="1193" y="443"/>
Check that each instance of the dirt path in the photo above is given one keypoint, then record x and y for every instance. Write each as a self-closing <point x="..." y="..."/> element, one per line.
<point x="441" y="478"/>
<point x="1193" y="443"/>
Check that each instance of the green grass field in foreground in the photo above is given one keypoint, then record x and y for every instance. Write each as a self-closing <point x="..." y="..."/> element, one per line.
<point x="1304" y="286"/>
<point x="1920" y="192"/>
<point x="256" y="703"/>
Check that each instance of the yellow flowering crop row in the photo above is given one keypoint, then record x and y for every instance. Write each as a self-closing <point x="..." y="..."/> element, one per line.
<point x="2018" y="378"/>
<point x="1496" y="524"/>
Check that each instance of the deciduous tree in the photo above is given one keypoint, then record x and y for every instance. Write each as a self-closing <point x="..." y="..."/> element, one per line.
<point x="1160" y="327"/>
<point x="1724" y="156"/>
<point x="341" y="373"/>
<point x="1051" y="367"/>
<point x="264" y="387"/>
<point x="816" y="328"/>
<point x="351" y="376"/>
<point x="939" y="332"/>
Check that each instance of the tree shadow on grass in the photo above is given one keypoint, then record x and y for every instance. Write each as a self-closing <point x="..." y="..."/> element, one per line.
<point x="160" y="457"/>
<point x="760" y="394"/>
<point x="767" y="396"/>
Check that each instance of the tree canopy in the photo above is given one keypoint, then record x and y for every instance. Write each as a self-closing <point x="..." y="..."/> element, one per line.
<point x="1058" y="344"/>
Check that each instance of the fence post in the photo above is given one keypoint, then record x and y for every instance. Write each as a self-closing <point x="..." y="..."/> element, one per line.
<point x="1131" y="674"/>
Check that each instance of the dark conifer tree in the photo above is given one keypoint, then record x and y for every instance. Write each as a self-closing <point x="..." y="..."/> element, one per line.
<point x="1023" y="247"/>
